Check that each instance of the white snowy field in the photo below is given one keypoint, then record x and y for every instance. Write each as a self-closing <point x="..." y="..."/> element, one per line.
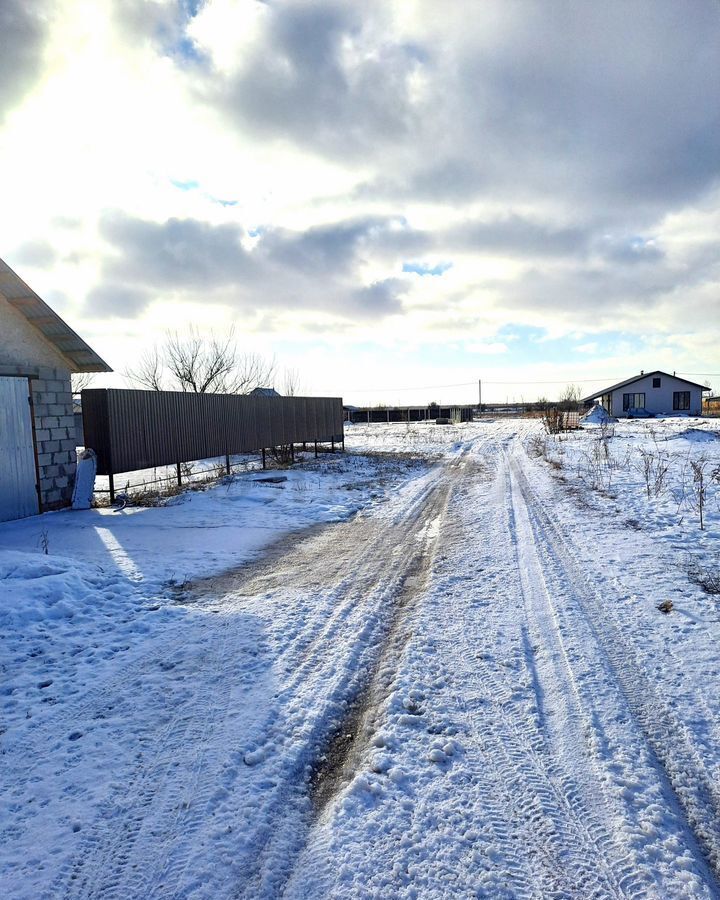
<point x="431" y="667"/>
<point x="654" y="473"/>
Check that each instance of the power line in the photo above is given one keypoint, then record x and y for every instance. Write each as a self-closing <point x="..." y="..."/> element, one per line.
<point x="563" y="381"/>
<point x="432" y="387"/>
<point x="427" y="387"/>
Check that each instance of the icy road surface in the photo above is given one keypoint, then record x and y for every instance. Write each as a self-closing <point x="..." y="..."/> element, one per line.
<point x="462" y="690"/>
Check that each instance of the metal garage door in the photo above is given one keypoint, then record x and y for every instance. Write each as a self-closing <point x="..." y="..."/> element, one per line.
<point x="18" y="492"/>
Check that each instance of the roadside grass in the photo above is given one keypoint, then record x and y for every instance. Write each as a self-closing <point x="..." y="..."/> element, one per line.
<point x="661" y="477"/>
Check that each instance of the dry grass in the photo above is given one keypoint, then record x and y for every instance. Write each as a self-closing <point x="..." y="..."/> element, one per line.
<point x="706" y="575"/>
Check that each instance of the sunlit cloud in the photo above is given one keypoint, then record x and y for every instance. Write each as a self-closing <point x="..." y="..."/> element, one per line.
<point x="529" y="189"/>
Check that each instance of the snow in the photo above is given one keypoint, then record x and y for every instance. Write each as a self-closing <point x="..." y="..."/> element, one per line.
<point x="198" y="533"/>
<point x="643" y="473"/>
<point x="598" y="415"/>
<point x="699" y="436"/>
<point x="430" y="667"/>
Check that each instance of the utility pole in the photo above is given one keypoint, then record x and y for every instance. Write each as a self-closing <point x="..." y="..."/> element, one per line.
<point x="480" y="396"/>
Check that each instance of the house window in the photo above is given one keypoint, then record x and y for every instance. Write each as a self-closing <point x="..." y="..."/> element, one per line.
<point x="656" y="382"/>
<point x="681" y="399"/>
<point x="633" y="401"/>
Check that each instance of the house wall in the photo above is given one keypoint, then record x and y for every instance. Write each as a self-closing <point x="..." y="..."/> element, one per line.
<point x="24" y="352"/>
<point x="657" y="400"/>
<point x="20" y="343"/>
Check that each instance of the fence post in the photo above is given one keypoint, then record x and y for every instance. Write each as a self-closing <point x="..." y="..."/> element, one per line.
<point x="343" y="441"/>
<point x="263" y="457"/>
<point x="179" y="475"/>
<point x="315" y="449"/>
<point x="292" y="452"/>
<point x="332" y="444"/>
<point x="111" y="483"/>
<point x="227" y="463"/>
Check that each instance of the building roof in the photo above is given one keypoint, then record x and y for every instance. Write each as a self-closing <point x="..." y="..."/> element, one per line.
<point x="264" y="392"/>
<point x="80" y="357"/>
<point x="621" y="384"/>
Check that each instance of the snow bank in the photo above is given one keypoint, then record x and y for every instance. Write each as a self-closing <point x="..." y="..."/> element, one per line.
<point x="598" y="415"/>
<point x="699" y="436"/>
<point x="201" y="533"/>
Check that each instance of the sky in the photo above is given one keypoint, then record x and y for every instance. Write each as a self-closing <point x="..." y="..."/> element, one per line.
<point x="395" y="198"/>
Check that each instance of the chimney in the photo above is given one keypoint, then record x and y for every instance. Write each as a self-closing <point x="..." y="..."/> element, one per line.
<point x="642" y="371"/>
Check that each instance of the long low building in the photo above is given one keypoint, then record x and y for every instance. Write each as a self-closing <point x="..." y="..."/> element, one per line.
<point x="651" y="394"/>
<point x="368" y="414"/>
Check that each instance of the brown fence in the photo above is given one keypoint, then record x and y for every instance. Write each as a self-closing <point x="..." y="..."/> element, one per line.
<point x="131" y="430"/>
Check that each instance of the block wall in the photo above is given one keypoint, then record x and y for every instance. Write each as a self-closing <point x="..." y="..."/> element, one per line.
<point x="54" y="431"/>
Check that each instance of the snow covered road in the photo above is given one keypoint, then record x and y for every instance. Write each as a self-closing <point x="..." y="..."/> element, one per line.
<point x="463" y="691"/>
<point x="539" y="761"/>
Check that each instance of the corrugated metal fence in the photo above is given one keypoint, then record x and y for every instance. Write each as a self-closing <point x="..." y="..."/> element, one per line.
<point x="130" y="430"/>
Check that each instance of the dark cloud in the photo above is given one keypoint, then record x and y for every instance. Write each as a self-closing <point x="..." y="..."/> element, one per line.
<point x="516" y="235"/>
<point x="35" y="253"/>
<point x="321" y="250"/>
<point x="635" y="249"/>
<point x="380" y="298"/>
<point x="192" y="260"/>
<point x="321" y="268"/>
<point x="603" y="99"/>
<point x="178" y="253"/>
<point x="22" y="40"/>
<point x="325" y="76"/>
<point x="618" y="288"/>
<point x="612" y="107"/>
<point x="117" y="300"/>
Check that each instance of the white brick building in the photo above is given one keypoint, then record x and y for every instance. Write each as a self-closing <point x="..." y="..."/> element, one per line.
<point x="38" y="353"/>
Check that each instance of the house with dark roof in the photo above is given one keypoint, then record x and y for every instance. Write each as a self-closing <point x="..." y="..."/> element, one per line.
<point x="38" y="353"/>
<point x="263" y="392"/>
<point x="651" y="394"/>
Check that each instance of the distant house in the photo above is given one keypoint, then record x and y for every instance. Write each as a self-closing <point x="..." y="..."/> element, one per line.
<point x="651" y="394"/>
<point x="38" y="352"/>
<point x="264" y="392"/>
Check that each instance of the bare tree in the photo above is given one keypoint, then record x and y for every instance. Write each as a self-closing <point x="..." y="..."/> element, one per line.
<point x="149" y="371"/>
<point x="203" y="365"/>
<point x="81" y="380"/>
<point x="253" y="370"/>
<point x="570" y="396"/>
<point x="292" y="383"/>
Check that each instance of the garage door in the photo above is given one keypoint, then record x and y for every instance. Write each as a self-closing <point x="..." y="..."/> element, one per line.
<point x="18" y="493"/>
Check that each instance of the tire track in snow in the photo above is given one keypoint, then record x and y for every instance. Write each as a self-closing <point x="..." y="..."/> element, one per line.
<point x="367" y="715"/>
<point x="555" y="853"/>
<point x="144" y="842"/>
<point x="564" y="713"/>
<point x="564" y="847"/>
<point x="94" y="705"/>
<point x="105" y="864"/>
<point x="680" y="766"/>
<point x="270" y="867"/>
